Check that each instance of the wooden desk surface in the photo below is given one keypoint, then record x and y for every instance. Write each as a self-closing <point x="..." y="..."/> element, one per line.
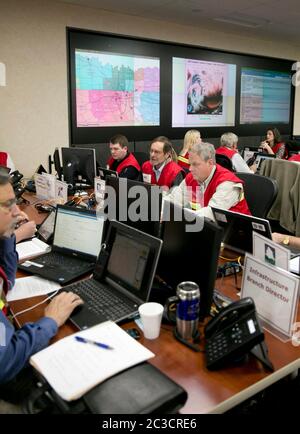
<point x="208" y="392"/>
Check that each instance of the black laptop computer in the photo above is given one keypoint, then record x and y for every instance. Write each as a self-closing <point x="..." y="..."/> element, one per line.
<point x="45" y="230"/>
<point x="122" y="278"/>
<point x="104" y="173"/>
<point x="262" y="157"/>
<point x="76" y="245"/>
<point x="238" y="229"/>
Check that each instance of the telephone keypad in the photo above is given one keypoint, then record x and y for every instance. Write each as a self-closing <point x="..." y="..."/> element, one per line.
<point x="233" y="341"/>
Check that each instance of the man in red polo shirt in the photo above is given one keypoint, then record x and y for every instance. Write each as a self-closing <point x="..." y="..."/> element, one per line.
<point x="122" y="161"/>
<point x="209" y="184"/>
<point x="162" y="168"/>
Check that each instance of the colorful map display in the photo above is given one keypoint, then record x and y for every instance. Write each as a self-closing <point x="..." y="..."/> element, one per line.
<point x="116" y="90"/>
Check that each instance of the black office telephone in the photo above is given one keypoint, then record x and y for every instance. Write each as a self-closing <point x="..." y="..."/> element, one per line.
<point x="15" y="178"/>
<point x="232" y="333"/>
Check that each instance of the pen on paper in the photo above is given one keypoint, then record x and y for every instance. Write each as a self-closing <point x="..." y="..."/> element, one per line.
<point x="90" y="341"/>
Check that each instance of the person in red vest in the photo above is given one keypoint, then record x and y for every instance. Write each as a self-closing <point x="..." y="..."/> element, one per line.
<point x="191" y="137"/>
<point x="229" y="147"/>
<point x="162" y="168"/>
<point x="209" y="185"/>
<point x="16" y="347"/>
<point x="122" y="161"/>
<point x="273" y="144"/>
<point x="6" y="161"/>
<point x="295" y="158"/>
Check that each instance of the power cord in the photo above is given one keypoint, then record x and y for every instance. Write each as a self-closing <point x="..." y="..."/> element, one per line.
<point x="36" y="305"/>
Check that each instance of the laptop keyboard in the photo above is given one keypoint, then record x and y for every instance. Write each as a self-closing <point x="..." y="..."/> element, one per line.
<point x="101" y="301"/>
<point x="58" y="260"/>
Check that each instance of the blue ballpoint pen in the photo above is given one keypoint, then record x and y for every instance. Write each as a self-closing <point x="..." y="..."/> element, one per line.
<point x="90" y="341"/>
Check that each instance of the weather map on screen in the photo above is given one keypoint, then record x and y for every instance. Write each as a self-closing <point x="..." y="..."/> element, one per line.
<point x="265" y="96"/>
<point x="203" y="93"/>
<point x="116" y="90"/>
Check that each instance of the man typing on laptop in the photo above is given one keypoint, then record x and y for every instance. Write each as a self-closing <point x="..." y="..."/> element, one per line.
<point x="16" y="347"/>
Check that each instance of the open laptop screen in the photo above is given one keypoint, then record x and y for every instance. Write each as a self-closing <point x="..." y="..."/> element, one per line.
<point x="128" y="260"/>
<point x="78" y="230"/>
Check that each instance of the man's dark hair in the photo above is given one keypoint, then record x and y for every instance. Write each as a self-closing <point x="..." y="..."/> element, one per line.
<point x="276" y="133"/>
<point x="168" y="147"/>
<point x="119" y="139"/>
<point x="4" y="177"/>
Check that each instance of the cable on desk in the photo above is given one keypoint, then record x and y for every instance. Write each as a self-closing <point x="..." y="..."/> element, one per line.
<point x="36" y="305"/>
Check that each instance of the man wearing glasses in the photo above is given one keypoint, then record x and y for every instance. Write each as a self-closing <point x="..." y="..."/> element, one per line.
<point x="16" y="347"/>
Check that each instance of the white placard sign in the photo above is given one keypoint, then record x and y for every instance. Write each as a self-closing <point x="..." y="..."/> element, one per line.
<point x="61" y="191"/>
<point x="275" y="293"/>
<point x="270" y="252"/>
<point x="99" y="186"/>
<point x="45" y="186"/>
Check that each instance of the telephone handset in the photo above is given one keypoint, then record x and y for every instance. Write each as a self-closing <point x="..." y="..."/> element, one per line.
<point x="232" y="333"/>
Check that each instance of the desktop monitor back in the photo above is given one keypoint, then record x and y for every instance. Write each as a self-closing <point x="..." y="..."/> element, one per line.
<point x="189" y="256"/>
<point x="141" y="211"/>
<point x="79" y="166"/>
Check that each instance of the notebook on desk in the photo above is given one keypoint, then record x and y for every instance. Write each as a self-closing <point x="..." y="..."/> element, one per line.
<point x="76" y="245"/>
<point x="122" y="278"/>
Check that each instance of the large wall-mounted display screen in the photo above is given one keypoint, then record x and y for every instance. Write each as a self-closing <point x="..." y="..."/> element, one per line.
<point x="203" y="93"/>
<point x="265" y="96"/>
<point x="114" y="90"/>
<point x="146" y="88"/>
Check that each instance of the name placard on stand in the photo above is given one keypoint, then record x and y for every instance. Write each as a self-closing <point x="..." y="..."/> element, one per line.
<point x="275" y="293"/>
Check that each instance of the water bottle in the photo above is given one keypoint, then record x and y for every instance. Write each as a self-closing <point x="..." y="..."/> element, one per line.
<point x="187" y="312"/>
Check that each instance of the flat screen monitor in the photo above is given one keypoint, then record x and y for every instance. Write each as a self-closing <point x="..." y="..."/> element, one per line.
<point x="137" y="204"/>
<point x="238" y="229"/>
<point x="190" y="252"/>
<point x="79" y="166"/>
<point x="57" y="164"/>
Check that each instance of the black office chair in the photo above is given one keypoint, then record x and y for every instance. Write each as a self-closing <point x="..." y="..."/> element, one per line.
<point x="224" y="161"/>
<point x="260" y="192"/>
<point x="141" y="157"/>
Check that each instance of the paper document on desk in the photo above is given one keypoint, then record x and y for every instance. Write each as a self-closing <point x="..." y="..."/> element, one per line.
<point x="73" y="368"/>
<point x="29" y="249"/>
<point x="31" y="286"/>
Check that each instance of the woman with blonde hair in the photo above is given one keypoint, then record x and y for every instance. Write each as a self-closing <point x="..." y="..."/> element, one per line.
<point x="191" y="137"/>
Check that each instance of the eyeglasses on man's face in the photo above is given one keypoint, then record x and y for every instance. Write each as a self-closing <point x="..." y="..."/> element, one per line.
<point x="8" y="205"/>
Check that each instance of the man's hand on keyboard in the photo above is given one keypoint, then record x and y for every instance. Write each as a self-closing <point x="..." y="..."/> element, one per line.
<point x="62" y="306"/>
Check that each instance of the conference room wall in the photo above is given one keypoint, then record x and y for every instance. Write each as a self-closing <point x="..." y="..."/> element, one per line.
<point x="34" y="102"/>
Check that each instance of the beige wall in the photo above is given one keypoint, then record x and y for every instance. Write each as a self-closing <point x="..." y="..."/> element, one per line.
<point x="33" y="105"/>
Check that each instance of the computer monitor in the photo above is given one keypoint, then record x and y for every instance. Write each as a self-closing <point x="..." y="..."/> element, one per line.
<point x="189" y="255"/>
<point x="138" y="204"/>
<point x="57" y="165"/>
<point x="79" y="166"/>
<point x="239" y="228"/>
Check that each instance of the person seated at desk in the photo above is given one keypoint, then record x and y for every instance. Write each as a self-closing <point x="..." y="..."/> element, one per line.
<point x="229" y="147"/>
<point x="273" y="144"/>
<point x="191" y="137"/>
<point x="162" y="168"/>
<point x="209" y="185"/>
<point x="16" y="347"/>
<point x="6" y="161"/>
<point x="122" y="161"/>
